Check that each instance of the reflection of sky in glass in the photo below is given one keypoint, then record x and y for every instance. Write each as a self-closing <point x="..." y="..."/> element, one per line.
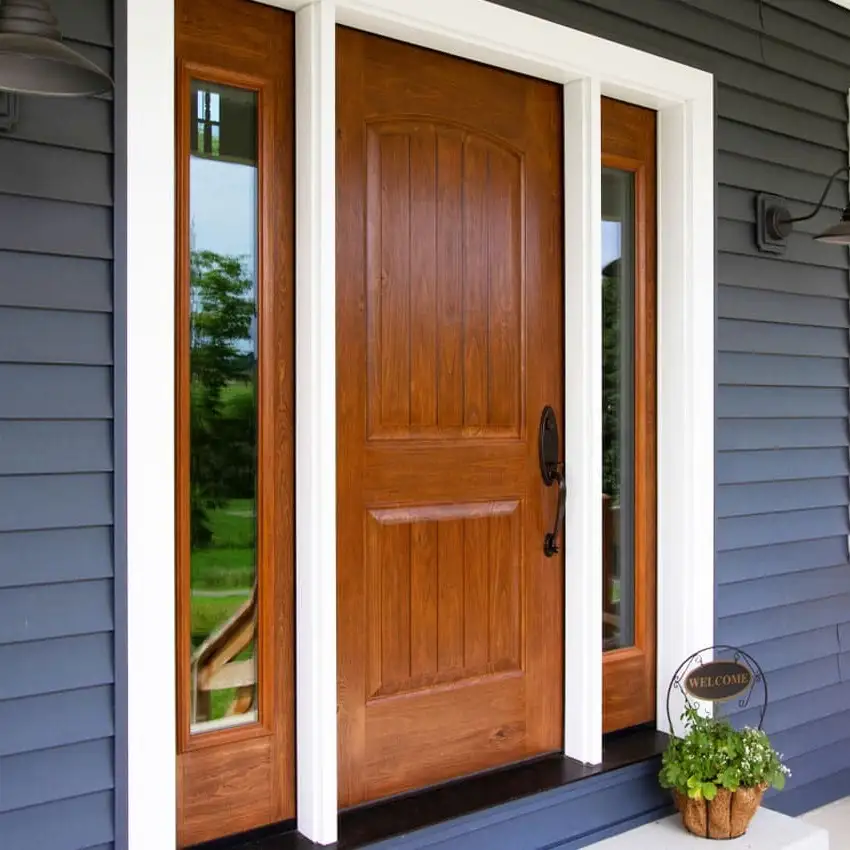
<point x="224" y="211"/>
<point x="611" y="241"/>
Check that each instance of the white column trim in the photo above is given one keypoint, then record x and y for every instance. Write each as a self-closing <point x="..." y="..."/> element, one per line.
<point x="583" y="420"/>
<point x="315" y="421"/>
<point x="150" y="660"/>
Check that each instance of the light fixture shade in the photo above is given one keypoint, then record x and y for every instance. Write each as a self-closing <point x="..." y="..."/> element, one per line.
<point x="33" y="59"/>
<point x="838" y="234"/>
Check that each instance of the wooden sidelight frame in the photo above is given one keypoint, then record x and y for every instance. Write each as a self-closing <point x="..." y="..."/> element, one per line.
<point x="628" y="674"/>
<point x="242" y="777"/>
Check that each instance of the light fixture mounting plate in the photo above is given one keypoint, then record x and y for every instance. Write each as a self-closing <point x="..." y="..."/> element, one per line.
<point x="766" y="237"/>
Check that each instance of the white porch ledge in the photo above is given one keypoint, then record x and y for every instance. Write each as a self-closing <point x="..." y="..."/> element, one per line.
<point x="768" y="831"/>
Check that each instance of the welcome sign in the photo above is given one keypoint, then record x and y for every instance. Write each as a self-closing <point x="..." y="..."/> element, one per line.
<point x="716" y="674"/>
<point x="718" y="680"/>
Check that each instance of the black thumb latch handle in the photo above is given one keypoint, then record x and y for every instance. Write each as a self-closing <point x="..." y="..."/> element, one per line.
<point x="550" y="543"/>
<point x="552" y="471"/>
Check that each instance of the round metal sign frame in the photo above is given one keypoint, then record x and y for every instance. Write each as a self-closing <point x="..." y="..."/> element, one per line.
<point x="739" y="658"/>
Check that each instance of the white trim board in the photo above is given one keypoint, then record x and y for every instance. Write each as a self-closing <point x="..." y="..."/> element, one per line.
<point x="588" y="67"/>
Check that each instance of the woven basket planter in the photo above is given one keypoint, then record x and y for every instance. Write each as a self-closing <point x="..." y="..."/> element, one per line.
<point x="727" y="816"/>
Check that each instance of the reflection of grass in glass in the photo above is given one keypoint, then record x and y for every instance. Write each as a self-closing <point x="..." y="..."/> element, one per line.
<point x="229" y="562"/>
<point x="209" y="612"/>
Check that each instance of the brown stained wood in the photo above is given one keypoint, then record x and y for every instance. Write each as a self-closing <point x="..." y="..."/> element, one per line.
<point x="450" y="620"/>
<point x="424" y="591"/>
<point x="496" y="735"/>
<point x="228" y="795"/>
<point x="629" y="143"/>
<point x="244" y="777"/>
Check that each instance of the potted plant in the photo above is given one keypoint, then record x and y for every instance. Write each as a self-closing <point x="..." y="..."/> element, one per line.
<point x="718" y="774"/>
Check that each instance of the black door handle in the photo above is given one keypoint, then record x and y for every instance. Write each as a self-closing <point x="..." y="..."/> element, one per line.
<point x="552" y="472"/>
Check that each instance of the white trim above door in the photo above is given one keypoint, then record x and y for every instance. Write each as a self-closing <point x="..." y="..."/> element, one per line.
<point x="589" y="68"/>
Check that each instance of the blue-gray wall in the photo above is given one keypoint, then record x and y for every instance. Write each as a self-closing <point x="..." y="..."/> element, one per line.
<point x="56" y="462"/>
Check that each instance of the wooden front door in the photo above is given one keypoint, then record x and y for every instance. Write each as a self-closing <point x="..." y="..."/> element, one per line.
<point x="449" y="345"/>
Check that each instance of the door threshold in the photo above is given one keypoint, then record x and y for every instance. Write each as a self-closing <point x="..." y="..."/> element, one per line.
<point x="373" y="822"/>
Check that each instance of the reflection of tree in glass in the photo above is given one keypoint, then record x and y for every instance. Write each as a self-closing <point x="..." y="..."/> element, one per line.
<point x="611" y="380"/>
<point x="223" y="420"/>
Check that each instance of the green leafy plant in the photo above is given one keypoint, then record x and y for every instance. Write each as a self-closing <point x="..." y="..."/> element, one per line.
<point x="713" y="754"/>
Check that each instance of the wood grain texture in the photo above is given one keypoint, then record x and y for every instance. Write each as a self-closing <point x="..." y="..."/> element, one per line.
<point x="628" y="681"/>
<point x="449" y="336"/>
<point x="244" y="777"/>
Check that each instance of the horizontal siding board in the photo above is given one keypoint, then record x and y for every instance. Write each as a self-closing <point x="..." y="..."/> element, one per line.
<point x="798" y="710"/>
<point x="771" y="623"/>
<point x="820" y="762"/>
<point x="58" y="283"/>
<point x="799" y="648"/>
<point x="782" y="403"/>
<point x="746" y="108"/>
<point x="55" y="610"/>
<point x="803" y="798"/>
<point x="84" y="123"/>
<point x="90" y="21"/>
<point x="82" y="822"/>
<point x="777" y="591"/>
<point x="40" y="171"/>
<point x="745" y="532"/>
<point x="754" y="499"/>
<point x="56" y="720"/>
<point x="769" y="273"/>
<point x="800" y="189"/>
<point x="29" y="448"/>
<point x="734" y="137"/>
<point x="61" y="555"/>
<point x="819" y="733"/>
<point x="737" y="302"/>
<point x="756" y="434"/>
<point x="55" y="501"/>
<point x="55" y="336"/>
<point x="737" y="335"/>
<point x="55" y="227"/>
<point x="44" y="776"/>
<point x="736" y="237"/>
<point x="781" y="465"/>
<point x="61" y="664"/>
<point x="779" y="558"/>
<point x="781" y="370"/>
<point x="55" y="392"/>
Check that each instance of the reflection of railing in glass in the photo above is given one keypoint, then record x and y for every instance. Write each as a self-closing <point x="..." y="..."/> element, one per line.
<point x="215" y="666"/>
<point x="223" y="407"/>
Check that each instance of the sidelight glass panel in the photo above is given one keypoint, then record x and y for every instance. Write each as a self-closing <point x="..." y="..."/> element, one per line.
<point x="223" y="198"/>
<point x="618" y="299"/>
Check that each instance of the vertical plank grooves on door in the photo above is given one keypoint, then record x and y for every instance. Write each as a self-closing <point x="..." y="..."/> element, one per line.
<point x="488" y="212"/>
<point x="450" y="604"/>
<point x="450" y="279"/>
<point x="464" y="281"/>
<point x="424" y="612"/>
<point x="395" y="613"/>
<point x="475" y="281"/>
<point x="423" y="293"/>
<point x="395" y="280"/>
<point x="374" y="583"/>
<point x="476" y="620"/>
<point x="504" y="583"/>
<point x="505" y="291"/>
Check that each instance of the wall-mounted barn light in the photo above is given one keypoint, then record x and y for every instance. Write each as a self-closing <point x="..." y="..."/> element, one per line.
<point x="774" y="223"/>
<point x="34" y="60"/>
